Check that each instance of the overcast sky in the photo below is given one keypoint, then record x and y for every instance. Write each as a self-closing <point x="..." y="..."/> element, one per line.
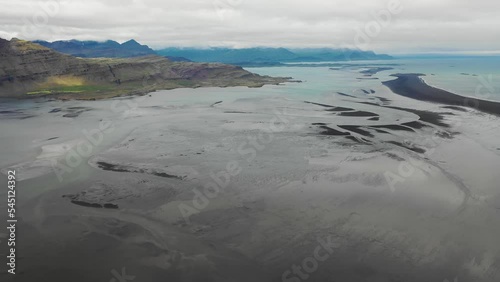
<point x="405" y="26"/>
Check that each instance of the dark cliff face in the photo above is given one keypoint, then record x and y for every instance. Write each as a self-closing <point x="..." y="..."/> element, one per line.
<point x="26" y="67"/>
<point x="28" y="70"/>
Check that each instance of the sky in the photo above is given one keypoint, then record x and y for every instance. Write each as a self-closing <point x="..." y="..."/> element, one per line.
<point x="385" y="26"/>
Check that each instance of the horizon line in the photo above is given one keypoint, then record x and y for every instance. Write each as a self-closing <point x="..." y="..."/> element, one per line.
<point x="401" y="53"/>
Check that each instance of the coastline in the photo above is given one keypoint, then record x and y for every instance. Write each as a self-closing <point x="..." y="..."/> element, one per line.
<point x="65" y="77"/>
<point x="120" y="92"/>
<point x="412" y="86"/>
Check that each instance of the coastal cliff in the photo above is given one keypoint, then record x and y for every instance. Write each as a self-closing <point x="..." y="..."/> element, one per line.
<point x="30" y="70"/>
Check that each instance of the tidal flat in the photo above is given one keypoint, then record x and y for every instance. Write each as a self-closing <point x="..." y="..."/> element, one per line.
<point x="337" y="176"/>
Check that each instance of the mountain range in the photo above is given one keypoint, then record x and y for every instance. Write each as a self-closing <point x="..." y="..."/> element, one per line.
<point x="270" y="55"/>
<point x="242" y="57"/>
<point x="95" y="49"/>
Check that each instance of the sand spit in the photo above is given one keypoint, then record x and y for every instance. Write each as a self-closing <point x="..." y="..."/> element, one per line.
<point x="412" y="86"/>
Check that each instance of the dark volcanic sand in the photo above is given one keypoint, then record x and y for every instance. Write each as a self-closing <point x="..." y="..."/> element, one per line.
<point x="427" y="116"/>
<point x="358" y="114"/>
<point x="412" y="86"/>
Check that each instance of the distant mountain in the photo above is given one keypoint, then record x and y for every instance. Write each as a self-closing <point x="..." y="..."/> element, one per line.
<point x="226" y="55"/>
<point x="329" y="54"/>
<point x="270" y="56"/>
<point x="31" y="70"/>
<point x="95" y="49"/>
<point x="244" y="57"/>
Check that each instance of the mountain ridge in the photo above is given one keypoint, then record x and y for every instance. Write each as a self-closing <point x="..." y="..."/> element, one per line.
<point x="270" y="55"/>
<point x="96" y="49"/>
<point x="242" y="56"/>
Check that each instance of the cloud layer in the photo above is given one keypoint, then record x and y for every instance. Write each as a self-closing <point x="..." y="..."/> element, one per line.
<point x="382" y="25"/>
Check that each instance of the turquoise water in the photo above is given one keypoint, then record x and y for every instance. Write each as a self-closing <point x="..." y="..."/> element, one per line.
<point x="477" y="77"/>
<point x="474" y="76"/>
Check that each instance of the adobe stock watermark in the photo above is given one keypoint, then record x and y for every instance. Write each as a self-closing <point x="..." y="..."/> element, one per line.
<point x="40" y="19"/>
<point x="221" y="180"/>
<point x="93" y="138"/>
<point x="121" y="277"/>
<point x="152" y="77"/>
<point x="83" y="149"/>
<point x="223" y="6"/>
<point x="406" y="168"/>
<point x="381" y="19"/>
<point x="303" y="270"/>
<point x="484" y="90"/>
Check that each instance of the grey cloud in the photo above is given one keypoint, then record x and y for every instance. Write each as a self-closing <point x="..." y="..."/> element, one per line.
<point x="421" y="26"/>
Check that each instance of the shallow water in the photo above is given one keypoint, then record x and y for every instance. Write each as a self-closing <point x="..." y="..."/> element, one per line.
<point x="473" y="76"/>
<point x="303" y="185"/>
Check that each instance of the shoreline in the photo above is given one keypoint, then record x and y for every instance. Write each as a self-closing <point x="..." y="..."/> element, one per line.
<point x="276" y="81"/>
<point x="412" y="86"/>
